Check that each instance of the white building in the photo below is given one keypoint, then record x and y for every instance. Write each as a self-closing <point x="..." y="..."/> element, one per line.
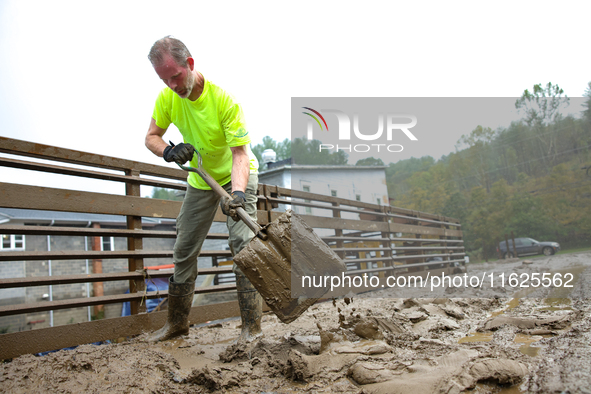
<point x="361" y="183"/>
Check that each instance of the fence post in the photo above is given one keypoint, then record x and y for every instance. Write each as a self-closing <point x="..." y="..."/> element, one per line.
<point x="97" y="268"/>
<point x="135" y="243"/>
<point x="445" y="245"/>
<point x="338" y="232"/>
<point x="387" y="254"/>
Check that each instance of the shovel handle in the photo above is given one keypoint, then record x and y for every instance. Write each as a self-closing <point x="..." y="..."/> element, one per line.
<point x="254" y="226"/>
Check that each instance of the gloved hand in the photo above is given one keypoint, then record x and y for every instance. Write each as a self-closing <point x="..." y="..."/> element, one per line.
<point x="229" y="206"/>
<point x="180" y="153"/>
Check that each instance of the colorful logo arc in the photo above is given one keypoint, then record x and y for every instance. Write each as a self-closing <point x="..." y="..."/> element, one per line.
<point x="315" y="118"/>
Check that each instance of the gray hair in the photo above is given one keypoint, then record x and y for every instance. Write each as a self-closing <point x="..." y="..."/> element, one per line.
<point x="169" y="46"/>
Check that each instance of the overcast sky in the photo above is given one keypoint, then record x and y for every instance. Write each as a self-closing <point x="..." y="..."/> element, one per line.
<point x="75" y="73"/>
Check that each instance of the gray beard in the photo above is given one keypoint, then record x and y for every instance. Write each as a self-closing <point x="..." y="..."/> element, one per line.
<point x="189" y="86"/>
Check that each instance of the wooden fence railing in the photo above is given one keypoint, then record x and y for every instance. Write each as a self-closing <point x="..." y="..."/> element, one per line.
<point x="372" y="239"/>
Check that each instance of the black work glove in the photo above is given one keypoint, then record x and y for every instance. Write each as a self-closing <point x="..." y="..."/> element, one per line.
<point x="180" y="153"/>
<point x="229" y="206"/>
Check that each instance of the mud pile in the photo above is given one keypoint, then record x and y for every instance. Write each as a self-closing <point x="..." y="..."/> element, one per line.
<point x="385" y="346"/>
<point x="364" y="345"/>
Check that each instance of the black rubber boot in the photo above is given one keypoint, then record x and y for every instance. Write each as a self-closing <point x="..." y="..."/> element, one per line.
<point x="180" y="299"/>
<point x="251" y="309"/>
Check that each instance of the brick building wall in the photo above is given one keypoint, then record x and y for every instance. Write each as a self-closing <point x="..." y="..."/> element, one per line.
<point x="41" y="268"/>
<point x="38" y="268"/>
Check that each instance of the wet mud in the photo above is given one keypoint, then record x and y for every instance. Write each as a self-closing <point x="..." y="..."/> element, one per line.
<point x="361" y="345"/>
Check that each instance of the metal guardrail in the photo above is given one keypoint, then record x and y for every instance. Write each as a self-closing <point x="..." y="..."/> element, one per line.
<point x="373" y="239"/>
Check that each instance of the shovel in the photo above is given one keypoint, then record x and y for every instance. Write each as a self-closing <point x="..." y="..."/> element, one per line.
<point x="267" y="260"/>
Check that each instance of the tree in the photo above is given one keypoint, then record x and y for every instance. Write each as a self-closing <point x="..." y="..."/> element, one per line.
<point x="479" y="154"/>
<point x="282" y="149"/>
<point x="301" y="151"/>
<point x="370" y="161"/>
<point x="481" y="233"/>
<point x="397" y="174"/>
<point x="308" y="152"/>
<point x="587" y="104"/>
<point x="529" y="218"/>
<point x="541" y="105"/>
<point x="455" y="207"/>
<point x="167" y="194"/>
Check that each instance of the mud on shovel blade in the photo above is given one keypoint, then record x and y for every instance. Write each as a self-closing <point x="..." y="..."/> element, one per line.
<point x="279" y="256"/>
<point x="276" y="266"/>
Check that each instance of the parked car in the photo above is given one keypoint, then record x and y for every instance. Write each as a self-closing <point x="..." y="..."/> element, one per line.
<point x="527" y="246"/>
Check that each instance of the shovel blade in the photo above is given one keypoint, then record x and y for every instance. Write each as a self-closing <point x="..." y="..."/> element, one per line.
<point x="269" y="267"/>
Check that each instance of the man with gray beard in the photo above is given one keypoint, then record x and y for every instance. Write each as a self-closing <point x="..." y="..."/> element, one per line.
<point x="211" y="121"/>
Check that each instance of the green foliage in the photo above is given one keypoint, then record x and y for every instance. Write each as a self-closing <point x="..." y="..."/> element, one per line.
<point x="525" y="178"/>
<point x="397" y="174"/>
<point x="282" y="149"/>
<point x="370" y="161"/>
<point x="308" y="152"/>
<point x="587" y="104"/>
<point x="301" y="151"/>
<point x="99" y="316"/>
<point x="541" y="105"/>
<point x="167" y="194"/>
<point x="528" y="216"/>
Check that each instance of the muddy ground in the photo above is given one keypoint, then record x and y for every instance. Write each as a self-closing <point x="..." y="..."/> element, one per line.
<point x="363" y="345"/>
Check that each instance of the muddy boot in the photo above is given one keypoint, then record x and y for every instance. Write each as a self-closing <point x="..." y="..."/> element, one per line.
<point x="251" y="309"/>
<point x="180" y="298"/>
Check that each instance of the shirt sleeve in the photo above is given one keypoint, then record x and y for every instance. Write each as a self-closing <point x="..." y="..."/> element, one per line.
<point x="161" y="112"/>
<point x="233" y="124"/>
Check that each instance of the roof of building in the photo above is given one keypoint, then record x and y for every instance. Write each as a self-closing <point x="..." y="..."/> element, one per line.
<point x="319" y="168"/>
<point x="48" y="217"/>
<point x="280" y="163"/>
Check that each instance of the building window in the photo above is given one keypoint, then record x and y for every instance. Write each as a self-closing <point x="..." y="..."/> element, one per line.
<point x="306" y="188"/>
<point x="333" y="193"/>
<point x="108" y="244"/>
<point x="13" y="242"/>
<point x="358" y="197"/>
<point x="379" y="201"/>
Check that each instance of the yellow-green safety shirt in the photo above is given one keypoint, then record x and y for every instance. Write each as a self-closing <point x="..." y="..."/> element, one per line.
<point x="212" y="124"/>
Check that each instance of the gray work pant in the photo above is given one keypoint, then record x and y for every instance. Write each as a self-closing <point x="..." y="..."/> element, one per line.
<point x="193" y="224"/>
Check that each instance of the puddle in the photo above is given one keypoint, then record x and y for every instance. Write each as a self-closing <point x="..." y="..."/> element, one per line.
<point x="556" y="308"/>
<point x="527" y="341"/>
<point x="561" y="295"/>
<point x="510" y="305"/>
<point x="557" y="304"/>
<point x="477" y="337"/>
<point x="558" y="299"/>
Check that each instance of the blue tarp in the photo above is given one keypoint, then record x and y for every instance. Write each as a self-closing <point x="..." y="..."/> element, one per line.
<point x="154" y="284"/>
<point x="69" y="348"/>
